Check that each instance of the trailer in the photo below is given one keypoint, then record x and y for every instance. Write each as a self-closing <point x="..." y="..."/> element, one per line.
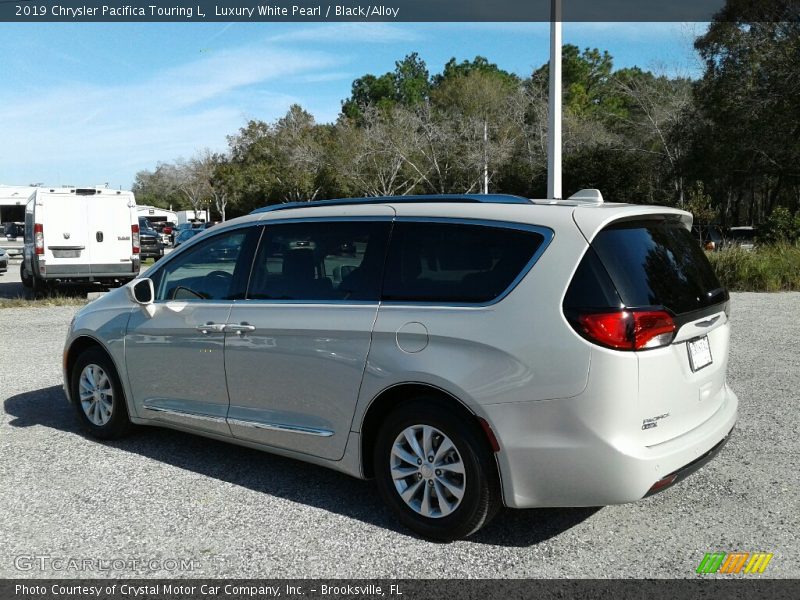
<point x="192" y="216"/>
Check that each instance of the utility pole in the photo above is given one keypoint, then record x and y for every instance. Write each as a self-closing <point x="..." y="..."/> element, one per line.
<point x="554" y="103"/>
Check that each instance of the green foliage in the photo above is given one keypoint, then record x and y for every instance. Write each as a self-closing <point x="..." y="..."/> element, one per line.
<point x="767" y="268"/>
<point x="408" y="85"/>
<point x="780" y="226"/>
<point x="700" y="205"/>
<point x="587" y="82"/>
<point x="743" y="130"/>
<point x="454" y="70"/>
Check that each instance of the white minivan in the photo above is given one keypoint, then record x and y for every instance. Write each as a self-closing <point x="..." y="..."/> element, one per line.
<point x="80" y="235"/>
<point x="467" y="352"/>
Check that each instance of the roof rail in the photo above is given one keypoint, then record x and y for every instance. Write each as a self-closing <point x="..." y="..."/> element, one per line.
<point x="467" y="198"/>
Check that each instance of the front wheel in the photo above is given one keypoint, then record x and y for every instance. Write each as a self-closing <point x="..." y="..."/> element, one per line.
<point x="98" y="396"/>
<point x="435" y="471"/>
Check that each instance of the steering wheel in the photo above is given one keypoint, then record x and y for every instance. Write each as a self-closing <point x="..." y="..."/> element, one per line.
<point x="221" y="274"/>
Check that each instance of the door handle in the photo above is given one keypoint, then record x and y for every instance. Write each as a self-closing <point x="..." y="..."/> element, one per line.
<point x="216" y="327"/>
<point x="240" y="328"/>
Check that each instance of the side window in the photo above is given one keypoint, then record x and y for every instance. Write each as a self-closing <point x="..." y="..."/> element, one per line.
<point x="216" y="269"/>
<point x="450" y="262"/>
<point x="320" y="260"/>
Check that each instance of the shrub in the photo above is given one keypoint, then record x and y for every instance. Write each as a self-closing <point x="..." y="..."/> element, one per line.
<point x="767" y="268"/>
<point x="780" y="226"/>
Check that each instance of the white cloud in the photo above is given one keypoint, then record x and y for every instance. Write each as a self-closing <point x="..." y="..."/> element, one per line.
<point x="81" y="133"/>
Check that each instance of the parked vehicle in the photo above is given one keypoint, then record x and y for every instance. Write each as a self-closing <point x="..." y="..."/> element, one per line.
<point x="150" y="245"/>
<point x="710" y="237"/>
<point x="744" y="237"/>
<point x="80" y="235"/>
<point x="13" y="235"/>
<point x="464" y="351"/>
<point x="13" y="230"/>
<point x="164" y="229"/>
<point x="3" y="260"/>
<point x="184" y="235"/>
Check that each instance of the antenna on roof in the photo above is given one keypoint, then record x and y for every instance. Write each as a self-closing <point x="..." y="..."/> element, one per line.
<point x="589" y="196"/>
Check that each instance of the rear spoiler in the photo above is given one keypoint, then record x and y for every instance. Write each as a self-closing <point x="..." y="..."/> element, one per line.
<point x="591" y="219"/>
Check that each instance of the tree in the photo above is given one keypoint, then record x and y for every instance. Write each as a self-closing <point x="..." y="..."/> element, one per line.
<point x="188" y="177"/>
<point x="157" y="188"/>
<point x="408" y="85"/>
<point x="476" y="97"/>
<point x="371" y="158"/>
<point x="744" y="129"/>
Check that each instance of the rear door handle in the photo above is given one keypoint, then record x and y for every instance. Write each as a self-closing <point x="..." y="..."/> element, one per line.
<point x="240" y="328"/>
<point x="208" y="327"/>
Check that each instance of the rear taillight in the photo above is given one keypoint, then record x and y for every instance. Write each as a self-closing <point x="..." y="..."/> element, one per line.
<point x="38" y="238"/>
<point x="135" y="238"/>
<point x="628" y="329"/>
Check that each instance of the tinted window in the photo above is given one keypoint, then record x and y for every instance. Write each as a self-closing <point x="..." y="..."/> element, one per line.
<point x="320" y="261"/>
<point x="447" y="262"/>
<point x="591" y="286"/>
<point x="658" y="263"/>
<point x="209" y="271"/>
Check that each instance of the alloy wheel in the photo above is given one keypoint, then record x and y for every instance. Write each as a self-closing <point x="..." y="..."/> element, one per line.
<point x="427" y="471"/>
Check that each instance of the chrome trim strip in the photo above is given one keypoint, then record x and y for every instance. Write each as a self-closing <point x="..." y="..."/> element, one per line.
<point x="282" y="427"/>
<point x="180" y="413"/>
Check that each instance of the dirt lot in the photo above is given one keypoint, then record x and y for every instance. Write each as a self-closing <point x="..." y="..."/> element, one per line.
<point x="235" y="512"/>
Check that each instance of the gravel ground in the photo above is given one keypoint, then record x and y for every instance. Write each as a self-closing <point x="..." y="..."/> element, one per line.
<point x="240" y="513"/>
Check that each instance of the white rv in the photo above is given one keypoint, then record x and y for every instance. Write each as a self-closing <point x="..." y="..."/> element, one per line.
<point x="191" y="216"/>
<point x="80" y="235"/>
<point x="12" y="213"/>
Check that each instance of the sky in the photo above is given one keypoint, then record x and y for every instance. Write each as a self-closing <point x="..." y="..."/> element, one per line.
<point x="93" y="103"/>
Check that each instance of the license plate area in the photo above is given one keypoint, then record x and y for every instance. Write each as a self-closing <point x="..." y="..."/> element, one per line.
<point x="699" y="353"/>
<point x="66" y="253"/>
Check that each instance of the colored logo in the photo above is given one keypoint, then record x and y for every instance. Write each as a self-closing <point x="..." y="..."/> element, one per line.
<point x="734" y="562"/>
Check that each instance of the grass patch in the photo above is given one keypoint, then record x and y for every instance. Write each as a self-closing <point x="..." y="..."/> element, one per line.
<point x="768" y="268"/>
<point x="23" y="302"/>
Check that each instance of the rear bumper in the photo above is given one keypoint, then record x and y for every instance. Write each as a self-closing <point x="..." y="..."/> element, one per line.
<point x="682" y="473"/>
<point x="551" y="455"/>
<point x="123" y="270"/>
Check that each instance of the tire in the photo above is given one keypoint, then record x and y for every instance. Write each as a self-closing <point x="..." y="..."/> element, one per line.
<point x="40" y="287"/>
<point x="25" y="277"/>
<point x="448" y="518"/>
<point x="97" y="422"/>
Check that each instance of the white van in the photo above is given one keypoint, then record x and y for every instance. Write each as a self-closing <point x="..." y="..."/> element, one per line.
<point x="80" y="235"/>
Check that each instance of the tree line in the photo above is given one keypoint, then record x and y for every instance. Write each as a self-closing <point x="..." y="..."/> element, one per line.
<point x="726" y="145"/>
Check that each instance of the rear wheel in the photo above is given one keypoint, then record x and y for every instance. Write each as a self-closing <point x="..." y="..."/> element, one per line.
<point x="435" y="471"/>
<point x="98" y="396"/>
<point x="41" y="287"/>
<point x="25" y="276"/>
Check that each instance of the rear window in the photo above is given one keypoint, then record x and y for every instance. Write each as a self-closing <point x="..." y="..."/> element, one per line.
<point x="658" y="263"/>
<point x="450" y="262"/>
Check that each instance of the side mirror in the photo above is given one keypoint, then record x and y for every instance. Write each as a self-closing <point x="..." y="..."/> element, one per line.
<point x="142" y="291"/>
